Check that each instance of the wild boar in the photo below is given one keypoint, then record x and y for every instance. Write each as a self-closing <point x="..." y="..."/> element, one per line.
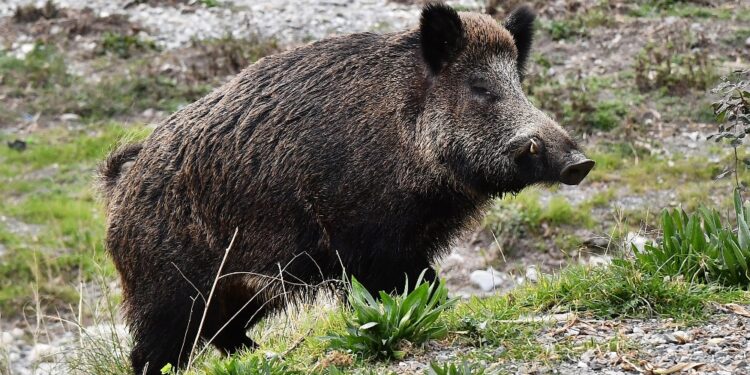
<point x="364" y="153"/>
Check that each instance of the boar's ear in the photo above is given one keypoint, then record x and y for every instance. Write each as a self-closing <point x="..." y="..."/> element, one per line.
<point x="442" y="35"/>
<point x="520" y="23"/>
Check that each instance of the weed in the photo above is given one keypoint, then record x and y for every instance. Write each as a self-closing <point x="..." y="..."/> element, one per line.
<point x="580" y="24"/>
<point x="103" y="342"/>
<point x="577" y="103"/>
<point x="209" y="3"/>
<point x="675" y="66"/>
<point x="124" y="46"/>
<point x="380" y="329"/>
<point x="31" y="13"/>
<point x="700" y="248"/>
<point x="42" y="68"/>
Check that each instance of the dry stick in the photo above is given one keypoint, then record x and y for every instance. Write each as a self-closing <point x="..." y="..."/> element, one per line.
<point x="208" y="302"/>
<point x="190" y="320"/>
<point x="258" y="293"/>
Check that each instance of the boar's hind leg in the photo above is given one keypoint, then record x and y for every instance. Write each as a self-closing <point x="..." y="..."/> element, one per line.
<point x="159" y="330"/>
<point x="231" y="318"/>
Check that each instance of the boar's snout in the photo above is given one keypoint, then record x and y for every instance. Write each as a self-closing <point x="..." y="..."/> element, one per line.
<point x="576" y="170"/>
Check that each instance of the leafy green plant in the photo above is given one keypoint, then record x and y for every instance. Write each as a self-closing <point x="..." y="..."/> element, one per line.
<point x="732" y="111"/>
<point x="381" y="328"/>
<point x="451" y="369"/>
<point x="255" y="365"/>
<point x="699" y="247"/>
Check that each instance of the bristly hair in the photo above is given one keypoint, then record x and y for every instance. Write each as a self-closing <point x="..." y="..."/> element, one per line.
<point x="520" y="23"/>
<point x="443" y="35"/>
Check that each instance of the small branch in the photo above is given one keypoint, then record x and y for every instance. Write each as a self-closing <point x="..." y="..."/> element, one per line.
<point x="208" y="302"/>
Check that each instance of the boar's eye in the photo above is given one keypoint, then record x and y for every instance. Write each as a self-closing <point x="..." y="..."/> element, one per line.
<point x="483" y="92"/>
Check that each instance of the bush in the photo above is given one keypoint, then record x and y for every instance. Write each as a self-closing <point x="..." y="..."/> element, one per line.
<point x="699" y="247"/>
<point x="380" y="329"/>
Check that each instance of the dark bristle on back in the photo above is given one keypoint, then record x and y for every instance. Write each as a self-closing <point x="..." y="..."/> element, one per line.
<point x="520" y="23"/>
<point x="442" y="35"/>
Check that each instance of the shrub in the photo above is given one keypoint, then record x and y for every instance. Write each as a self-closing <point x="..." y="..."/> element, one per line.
<point x="381" y="328"/>
<point x="699" y="247"/>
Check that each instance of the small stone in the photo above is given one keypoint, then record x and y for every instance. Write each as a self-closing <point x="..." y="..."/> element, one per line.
<point x="6" y="338"/>
<point x="600" y="260"/>
<point x="532" y="274"/>
<point x="747" y="42"/>
<point x="487" y="280"/>
<point x="656" y="340"/>
<point x="635" y="239"/>
<point x="17" y="332"/>
<point x="680" y="337"/>
<point x="69" y="117"/>
<point x="572" y="332"/>
<point x="39" y="353"/>
<point x="715" y="341"/>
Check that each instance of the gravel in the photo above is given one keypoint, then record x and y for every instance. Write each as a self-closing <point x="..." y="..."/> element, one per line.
<point x="656" y="346"/>
<point x="289" y="22"/>
<point x="720" y="346"/>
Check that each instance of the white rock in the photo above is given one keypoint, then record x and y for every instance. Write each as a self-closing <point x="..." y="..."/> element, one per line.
<point x="532" y="274"/>
<point x="69" y="117"/>
<point x="6" y="338"/>
<point x="747" y="42"/>
<point x="40" y="353"/>
<point x="489" y="279"/>
<point x="23" y="50"/>
<point x="635" y="239"/>
<point x="600" y="260"/>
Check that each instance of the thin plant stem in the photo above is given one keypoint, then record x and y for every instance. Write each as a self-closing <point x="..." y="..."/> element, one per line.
<point x="208" y="302"/>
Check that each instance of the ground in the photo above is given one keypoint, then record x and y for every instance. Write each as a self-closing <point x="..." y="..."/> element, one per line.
<point x="629" y="79"/>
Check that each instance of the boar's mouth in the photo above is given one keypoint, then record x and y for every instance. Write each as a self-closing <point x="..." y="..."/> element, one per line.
<point x="576" y="171"/>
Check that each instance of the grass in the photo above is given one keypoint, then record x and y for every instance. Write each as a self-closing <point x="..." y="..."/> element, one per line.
<point x="42" y="83"/>
<point x="579" y="25"/>
<point x="124" y="46"/>
<point x="49" y="191"/>
<point x="688" y="9"/>
<point x="479" y="326"/>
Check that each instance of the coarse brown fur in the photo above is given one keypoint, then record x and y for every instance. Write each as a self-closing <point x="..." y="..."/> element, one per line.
<point x="363" y="154"/>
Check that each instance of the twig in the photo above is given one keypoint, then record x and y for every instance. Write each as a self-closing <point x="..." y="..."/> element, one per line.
<point x="297" y="343"/>
<point x="208" y="302"/>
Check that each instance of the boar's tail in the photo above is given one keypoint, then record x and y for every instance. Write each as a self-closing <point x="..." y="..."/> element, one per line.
<point x="110" y="170"/>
